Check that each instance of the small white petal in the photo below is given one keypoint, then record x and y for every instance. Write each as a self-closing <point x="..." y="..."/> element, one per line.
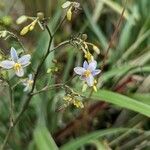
<point x="20" y="72"/>
<point x="14" y="55"/>
<point x="96" y="72"/>
<point x="85" y="64"/>
<point x="24" y="60"/>
<point x="90" y="80"/>
<point x="7" y="64"/>
<point x="79" y="70"/>
<point x="66" y="4"/>
<point x="30" y="77"/>
<point x="26" y="88"/>
<point x="92" y="65"/>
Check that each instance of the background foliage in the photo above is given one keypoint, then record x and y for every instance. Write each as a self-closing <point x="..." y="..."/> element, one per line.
<point x="116" y="117"/>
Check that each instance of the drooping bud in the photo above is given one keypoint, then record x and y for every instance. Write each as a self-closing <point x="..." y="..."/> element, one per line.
<point x="66" y="4"/>
<point x="21" y="19"/>
<point x="84" y="37"/>
<point x="69" y="14"/>
<point x="40" y="15"/>
<point x="96" y="49"/>
<point x="25" y="30"/>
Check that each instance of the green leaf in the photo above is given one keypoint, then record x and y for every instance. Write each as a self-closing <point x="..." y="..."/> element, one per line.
<point x="43" y="139"/>
<point x="80" y="141"/>
<point x="122" y="101"/>
<point x="144" y="98"/>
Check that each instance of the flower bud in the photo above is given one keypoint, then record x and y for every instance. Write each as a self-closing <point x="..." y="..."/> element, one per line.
<point x="95" y="88"/>
<point x="69" y="14"/>
<point x="40" y="15"/>
<point x="66" y="4"/>
<point x="3" y="34"/>
<point x="31" y="27"/>
<point x="25" y="30"/>
<point x="21" y="19"/>
<point x="84" y="37"/>
<point x="96" y="49"/>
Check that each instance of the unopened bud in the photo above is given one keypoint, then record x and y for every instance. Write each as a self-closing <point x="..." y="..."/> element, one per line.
<point x="66" y="4"/>
<point x="96" y="49"/>
<point x="40" y="15"/>
<point x="25" y="30"/>
<point x="69" y="14"/>
<point x="21" y="19"/>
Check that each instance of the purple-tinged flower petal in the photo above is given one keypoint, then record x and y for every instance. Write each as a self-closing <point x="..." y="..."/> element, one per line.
<point x="92" y="65"/>
<point x="7" y="64"/>
<point x="14" y="55"/>
<point x="83" y="77"/>
<point x="24" y="60"/>
<point x="96" y="72"/>
<point x="85" y="64"/>
<point x="79" y="70"/>
<point x="90" y="80"/>
<point x="19" y="72"/>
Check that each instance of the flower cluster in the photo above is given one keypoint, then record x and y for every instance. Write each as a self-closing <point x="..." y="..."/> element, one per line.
<point x="31" y="26"/>
<point x="71" y="99"/>
<point x="86" y="47"/>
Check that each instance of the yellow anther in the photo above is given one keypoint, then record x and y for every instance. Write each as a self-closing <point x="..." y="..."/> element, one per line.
<point x="17" y="66"/>
<point x="87" y="73"/>
<point x="30" y="82"/>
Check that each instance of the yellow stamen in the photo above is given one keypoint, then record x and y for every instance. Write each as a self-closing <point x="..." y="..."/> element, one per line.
<point x="30" y="82"/>
<point x="87" y="73"/>
<point x="17" y="66"/>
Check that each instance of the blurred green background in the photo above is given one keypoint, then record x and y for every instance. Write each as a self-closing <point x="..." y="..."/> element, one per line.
<point x="100" y="125"/>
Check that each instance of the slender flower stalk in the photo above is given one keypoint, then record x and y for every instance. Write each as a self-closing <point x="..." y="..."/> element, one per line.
<point x="16" y="63"/>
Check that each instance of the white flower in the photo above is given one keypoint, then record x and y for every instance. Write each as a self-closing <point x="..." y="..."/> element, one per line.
<point x="87" y="72"/>
<point x="28" y="83"/>
<point x="17" y="64"/>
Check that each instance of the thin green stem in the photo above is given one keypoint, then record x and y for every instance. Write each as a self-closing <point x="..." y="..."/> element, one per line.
<point x="26" y="104"/>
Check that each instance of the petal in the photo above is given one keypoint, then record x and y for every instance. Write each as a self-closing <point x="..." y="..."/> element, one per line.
<point x="14" y="55"/>
<point x="96" y="72"/>
<point x="85" y="64"/>
<point x="92" y="65"/>
<point x="90" y="80"/>
<point x="79" y="70"/>
<point x="26" y="88"/>
<point x="20" y="72"/>
<point x="66" y="4"/>
<point x="24" y="60"/>
<point x="83" y="78"/>
<point x="30" y="77"/>
<point x="7" y="64"/>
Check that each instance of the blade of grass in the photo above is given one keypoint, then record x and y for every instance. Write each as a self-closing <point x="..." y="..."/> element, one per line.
<point x="134" y="46"/>
<point x="43" y="139"/>
<point x="116" y="7"/>
<point x="122" y="101"/>
<point x="80" y="141"/>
